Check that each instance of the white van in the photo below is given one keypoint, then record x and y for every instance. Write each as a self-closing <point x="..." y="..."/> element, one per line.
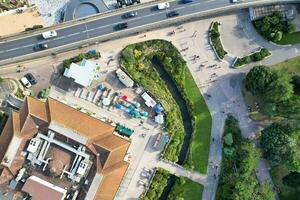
<point x="49" y="34"/>
<point x="162" y="6"/>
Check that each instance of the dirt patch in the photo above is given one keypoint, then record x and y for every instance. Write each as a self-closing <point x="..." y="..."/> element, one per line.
<point x="15" y="23"/>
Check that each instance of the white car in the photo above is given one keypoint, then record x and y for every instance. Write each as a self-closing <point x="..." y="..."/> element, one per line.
<point x="162" y="6"/>
<point x="236" y="1"/>
<point x="25" y="82"/>
<point x="49" y="34"/>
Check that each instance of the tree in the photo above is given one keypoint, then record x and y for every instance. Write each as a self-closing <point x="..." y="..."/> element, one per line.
<point x="291" y="27"/>
<point x="279" y="88"/>
<point x="292" y="180"/>
<point x="277" y="36"/>
<point x="258" y="80"/>
<point x="247" y="158"/>
<point x="228" y="139"/>
<point x="265" y="192"/>
<point x="275" y="141"/>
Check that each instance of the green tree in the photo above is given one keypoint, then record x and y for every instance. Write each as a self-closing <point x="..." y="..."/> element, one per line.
<point x="247" y="158"/>
<point x="265" y="192"/>
<point x="292" y="180"/>
<point x="279" y="88"/>
<point x="258" y="80"/>
<point x="275" y="141"/>
<point x="228" y="140"/>
<point x="277" y="36"/>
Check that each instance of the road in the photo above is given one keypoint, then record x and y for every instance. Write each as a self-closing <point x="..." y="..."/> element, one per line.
<point x="105" y="26"/>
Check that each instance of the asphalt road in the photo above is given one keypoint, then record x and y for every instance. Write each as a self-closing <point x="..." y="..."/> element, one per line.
<point x="105" y="26"/>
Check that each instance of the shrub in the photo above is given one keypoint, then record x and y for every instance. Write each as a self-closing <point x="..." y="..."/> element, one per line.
<point x="254" y="57"/>
<point x="216" y="41"/>
<point x="34" y="27"/>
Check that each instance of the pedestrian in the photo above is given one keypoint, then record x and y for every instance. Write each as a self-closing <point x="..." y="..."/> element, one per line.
<point x="213" y="139"/>
<point x="215" y="176"/>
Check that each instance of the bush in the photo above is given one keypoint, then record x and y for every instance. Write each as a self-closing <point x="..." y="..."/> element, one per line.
<point x="216" y="41"/>
<point x="274" y="26"/>
<point x="34" y="27"/>
<point x="254" y="57"/>
<point x="80" y="57"/>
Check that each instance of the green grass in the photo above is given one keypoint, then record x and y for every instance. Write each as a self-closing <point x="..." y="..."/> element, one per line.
<point x="192" y="190"/>
<point x="291" y="38"/>
<point x="186" y="189"/>
<point x="199" y="149"/>
<point x="285" y="192"/>
<point x="19" y="94"/>
<point x="292" y="66"/>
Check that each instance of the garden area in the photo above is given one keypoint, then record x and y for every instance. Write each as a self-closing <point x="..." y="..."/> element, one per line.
<point x="216" y="40"/>
<point x="254" y="57"/>
<point x="276" y="29"/>
<point x="137" y="61"/>
<point x="239" y="163"/>
<point x="278" y="91"/>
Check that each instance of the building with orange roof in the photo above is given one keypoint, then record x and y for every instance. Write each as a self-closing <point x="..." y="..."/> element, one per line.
<point x="64" y="147"/>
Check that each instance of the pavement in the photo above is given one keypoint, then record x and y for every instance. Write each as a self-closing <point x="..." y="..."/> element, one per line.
<point x="107" y="25"/>
<point x="178" y="170"/>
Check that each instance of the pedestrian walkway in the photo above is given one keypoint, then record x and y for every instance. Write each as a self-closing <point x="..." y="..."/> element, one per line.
<point x="178" y="170"/>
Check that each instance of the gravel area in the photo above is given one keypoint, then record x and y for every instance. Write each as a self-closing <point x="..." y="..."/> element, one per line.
<point x="50" y="10"/>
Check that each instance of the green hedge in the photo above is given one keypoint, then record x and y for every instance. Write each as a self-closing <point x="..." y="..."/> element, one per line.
<point x="157" y="185"/>
<point x="254" y="57"/>
<point x="216" y="41"/>
<point x="80" y="57"/>
<point x="34" y="27"/>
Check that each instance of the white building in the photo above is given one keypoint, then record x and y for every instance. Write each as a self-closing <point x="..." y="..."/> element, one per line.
<point x="124" y="78"/>
<point x="84" y="73"/>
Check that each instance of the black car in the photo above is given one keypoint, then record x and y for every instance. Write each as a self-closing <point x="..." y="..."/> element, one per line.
<point x="40" y="47"/>
<point x="121" y="26"/>
<point x="130" y="14"/>
<point x="30" y="78"/>
<point x="172" y="14"/>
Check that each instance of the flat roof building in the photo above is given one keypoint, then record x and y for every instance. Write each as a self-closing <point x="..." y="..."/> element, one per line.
<point x="124" y="78"/>
<point x="84" y="73"/>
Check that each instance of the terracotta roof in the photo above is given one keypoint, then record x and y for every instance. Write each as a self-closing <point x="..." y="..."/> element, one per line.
<point x="77" y="121"/>
<point x="40" y="189"/>
<point x="109" y="149"/>
<point x="111" y="182"/>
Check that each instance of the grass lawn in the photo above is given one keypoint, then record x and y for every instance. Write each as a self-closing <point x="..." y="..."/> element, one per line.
<point x="192" y="190"/>
<point x="291" y="66"/>
<point x="199" y="150"/>
<point x="285" y="192"/>
<point x="186" y="189"/>
<point x="293" y="38"/>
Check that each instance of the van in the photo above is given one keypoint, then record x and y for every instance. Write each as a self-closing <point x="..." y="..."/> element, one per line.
<point x="162" y="6"/>
<point x="49" y="34"/>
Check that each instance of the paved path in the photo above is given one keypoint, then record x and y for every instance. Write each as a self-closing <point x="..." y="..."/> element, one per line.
<point x="180" y="171"/>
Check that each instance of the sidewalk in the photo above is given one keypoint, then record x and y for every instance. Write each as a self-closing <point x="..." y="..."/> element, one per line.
<point x="178" y="170"/>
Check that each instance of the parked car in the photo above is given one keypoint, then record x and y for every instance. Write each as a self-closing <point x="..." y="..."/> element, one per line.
<point x="172" y="14"/>
<point x="147" y="170"/>
<point x="162" y="6"/>
<point x="25" y="82"/>
<point x="121" y="26"/>
<point x="40" y="47"/>
<point x="30" y="78"/>
<point x="49" y="34"/>
<point x="130" y="14"/>
<point x="140" y="182"/>
<point x="145" y="175"/>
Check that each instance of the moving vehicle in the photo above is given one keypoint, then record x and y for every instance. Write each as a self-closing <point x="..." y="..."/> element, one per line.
<point x="130" y="14"/>
<point x="40" y="47"/>
<point x="25" y="82"/>
<point x="187" y="1"/>
<point x="30" y="78"/>
<point x="121" y="26"/>
<point x="172" y="14"/>
<point x="236" y="1"/>
<point x="49" y="34"/>
<point x="162" y="6"/>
